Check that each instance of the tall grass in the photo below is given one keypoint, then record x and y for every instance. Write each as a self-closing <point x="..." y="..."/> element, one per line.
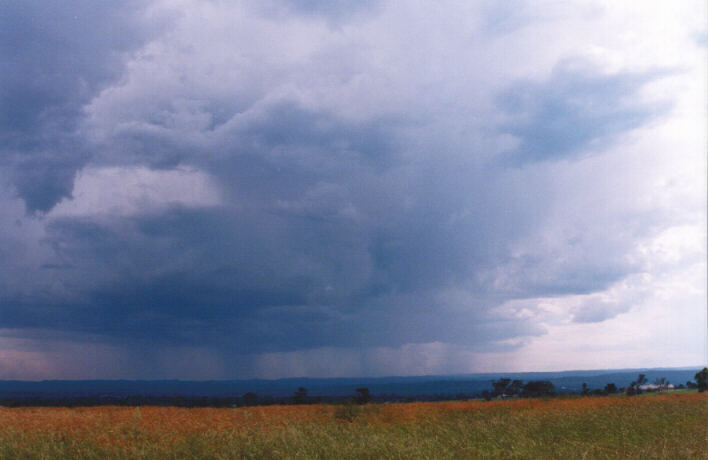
<point x="667" y="426"/>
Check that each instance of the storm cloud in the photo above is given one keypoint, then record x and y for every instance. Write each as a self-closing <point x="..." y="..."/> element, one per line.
<point x="251" y="185"/>
<point x="55" y="58"/>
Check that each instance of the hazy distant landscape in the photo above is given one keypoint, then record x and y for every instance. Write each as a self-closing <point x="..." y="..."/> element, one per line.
<point x="281" y="390"/>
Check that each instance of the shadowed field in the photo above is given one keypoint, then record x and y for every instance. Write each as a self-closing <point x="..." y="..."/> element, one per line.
<point x="663" y="426"/>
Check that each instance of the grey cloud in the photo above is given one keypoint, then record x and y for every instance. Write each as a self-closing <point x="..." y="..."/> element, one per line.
<point x="506" y="17"/>
<point x="55" y="57"/>
<point x="335" y="230"/>
<point x="282" y="134"/>
<point x="261" y="280"/>
<point x="335" y="11"/>
<point x="596" y="312"/>
<point x="330" y="237"/>
<point x="579" y="273"/>
<point x="44" y="178"/>
<point x="576" y="111"/>
<point x="338" y="7"/>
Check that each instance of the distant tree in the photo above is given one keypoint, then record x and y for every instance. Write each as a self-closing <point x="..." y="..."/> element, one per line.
<point x="538" y="388"/>
<point x="500" y="386"/>
<point x="363" y="396"/>
<point x="691" y="385"/>
<point x="514" y="388"/>
<point x="585" y="390"/>
<point x="486" y="395"/>
<point x="634" y="386"/>
<point x="610" y="389"/>
<point x="250" y="399"/>
<point x="702" y="379"/>
<point x="642" y="379"/>
<point x="632" y="389"/>
<point x="300" y="396"/>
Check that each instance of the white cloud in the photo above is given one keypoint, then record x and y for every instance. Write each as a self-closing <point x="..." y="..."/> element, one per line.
<point x="126" y="191"/>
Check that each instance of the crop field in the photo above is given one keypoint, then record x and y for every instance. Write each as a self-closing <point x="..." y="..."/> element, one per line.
<point x="662" y="426"/>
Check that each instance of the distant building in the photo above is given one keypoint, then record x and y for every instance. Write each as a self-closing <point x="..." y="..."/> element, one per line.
<point x="655" y="387"/>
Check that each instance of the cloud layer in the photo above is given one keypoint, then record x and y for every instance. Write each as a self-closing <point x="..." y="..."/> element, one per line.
<point x="280" y="188"/>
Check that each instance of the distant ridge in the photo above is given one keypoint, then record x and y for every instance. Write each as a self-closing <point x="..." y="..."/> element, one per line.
<point x="564" y="381"/>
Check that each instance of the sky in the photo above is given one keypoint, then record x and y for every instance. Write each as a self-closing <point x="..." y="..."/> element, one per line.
<point x="286" y="188"/>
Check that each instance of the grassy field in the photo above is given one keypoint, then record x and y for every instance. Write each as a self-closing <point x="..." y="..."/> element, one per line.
<point x="662" y="426"/>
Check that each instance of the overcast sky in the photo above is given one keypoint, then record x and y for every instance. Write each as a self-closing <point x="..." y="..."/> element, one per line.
<point x="280" y="188"/>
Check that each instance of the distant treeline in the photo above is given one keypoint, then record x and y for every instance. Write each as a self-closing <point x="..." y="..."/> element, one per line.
<point x="500" y="388"/>
<point x="248" y="399"/>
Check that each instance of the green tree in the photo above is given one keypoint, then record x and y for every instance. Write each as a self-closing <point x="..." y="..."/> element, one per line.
<point x="610" y="388"/>
<point x="250" y="399"/>
<point x="702" y="379"/>
<point x="363" y="395"/>
<point x="634" y="387"/>
<point x="538" y="388"/>
<point x="300" y="396"/>
<point x="500" y="386"/>
<point x="515" y="388"/>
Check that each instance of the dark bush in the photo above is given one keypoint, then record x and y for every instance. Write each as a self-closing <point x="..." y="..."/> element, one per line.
<point x="538" y="388"/>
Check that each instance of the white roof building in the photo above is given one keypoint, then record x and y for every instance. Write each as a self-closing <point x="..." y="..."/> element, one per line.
<point x="655" y="387"/>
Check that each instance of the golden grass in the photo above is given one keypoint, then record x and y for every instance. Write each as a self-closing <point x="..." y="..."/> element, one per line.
<point x="662" y="426"/>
